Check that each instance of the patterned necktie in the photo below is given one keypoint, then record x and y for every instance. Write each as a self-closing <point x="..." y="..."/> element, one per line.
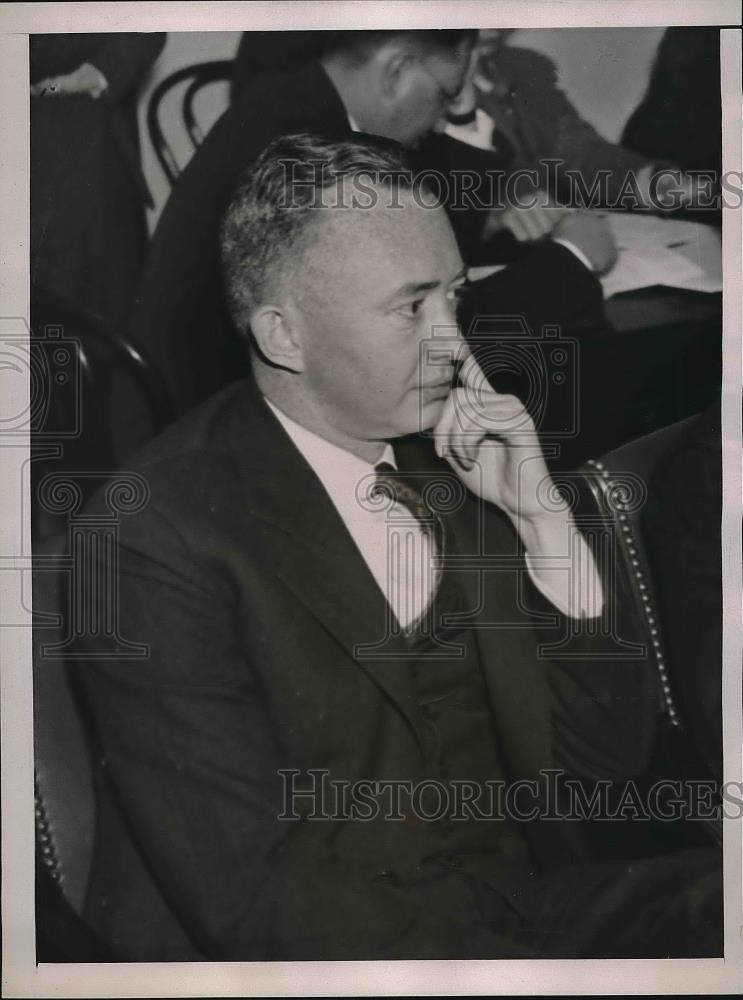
<point x="399" y="490"/>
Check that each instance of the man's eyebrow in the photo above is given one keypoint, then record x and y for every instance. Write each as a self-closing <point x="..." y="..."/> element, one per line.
<point x="416" y="287"/>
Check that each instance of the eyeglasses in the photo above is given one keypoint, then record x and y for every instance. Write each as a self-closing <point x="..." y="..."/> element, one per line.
<point x="448" y="96"/>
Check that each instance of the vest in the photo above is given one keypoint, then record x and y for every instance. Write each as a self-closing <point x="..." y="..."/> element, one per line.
<point x="462" y="747"/>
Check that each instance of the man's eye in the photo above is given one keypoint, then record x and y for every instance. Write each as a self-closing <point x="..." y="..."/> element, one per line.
<point x="411" y="309"/>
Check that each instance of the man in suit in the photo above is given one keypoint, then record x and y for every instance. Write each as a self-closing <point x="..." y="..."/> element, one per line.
<point x="680" y="116"/>
<point x="328" y="595"/>
<point x="397" y="84"/>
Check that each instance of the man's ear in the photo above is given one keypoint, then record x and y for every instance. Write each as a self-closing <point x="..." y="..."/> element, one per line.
<point x="274" y="331"/>
<point x="394" y="64"/>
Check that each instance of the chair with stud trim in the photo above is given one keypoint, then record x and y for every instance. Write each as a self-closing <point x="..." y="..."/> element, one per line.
<point x="617" y="484"/>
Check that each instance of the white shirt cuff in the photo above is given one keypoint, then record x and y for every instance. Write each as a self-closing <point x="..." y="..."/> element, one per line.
<point x="574" y="587"/>
<point x="101" y="83"/>
<point x="574" y="249"/>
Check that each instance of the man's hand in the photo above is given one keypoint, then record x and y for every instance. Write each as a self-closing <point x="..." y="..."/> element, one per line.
<point x="86" y="79"/>
<point x="591" y="235"/>
<point x="536" y="221"/>
<point x="664" y="189"/>
<point x="526" y="224"/>
<point x="491" y="443"/>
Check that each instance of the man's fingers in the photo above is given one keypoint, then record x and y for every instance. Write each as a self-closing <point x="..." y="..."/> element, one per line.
<point x="472" y="376"/>
<point x="443" y="426"/>
<point x="534" y="223"/>
<point x="538" y="222"/>
<point x="513" y="220"/>
<point x="50" y="87"/>
<point x="474" y="411"/>
<point x="494" y="413"/>
<point x="455" y="435"/>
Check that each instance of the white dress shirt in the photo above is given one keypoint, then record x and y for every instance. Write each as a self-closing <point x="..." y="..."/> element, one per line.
<point x="400" y="554"/>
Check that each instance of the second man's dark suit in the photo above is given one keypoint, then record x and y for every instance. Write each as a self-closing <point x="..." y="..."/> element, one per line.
<point x="180" y="314"/>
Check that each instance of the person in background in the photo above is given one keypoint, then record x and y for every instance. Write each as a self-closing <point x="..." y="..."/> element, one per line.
<point x="480" y="235"/>
<point x="397" y="84"/>
<point x="88" y="192"/>
<point x="266" y="53"/>
<point x="680" y="117"/>
<point x="523" y="112"/>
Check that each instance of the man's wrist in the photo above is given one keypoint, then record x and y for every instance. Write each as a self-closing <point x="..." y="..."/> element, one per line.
<point x="575" y="250"/>
<point x="96" y="83"/>
<point x="545" y="532"/>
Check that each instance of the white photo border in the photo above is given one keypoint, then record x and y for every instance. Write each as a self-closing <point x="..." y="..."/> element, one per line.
<point x="21" y="976"/>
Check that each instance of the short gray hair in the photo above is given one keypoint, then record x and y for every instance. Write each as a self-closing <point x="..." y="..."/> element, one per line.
<point x="274" y="208"/>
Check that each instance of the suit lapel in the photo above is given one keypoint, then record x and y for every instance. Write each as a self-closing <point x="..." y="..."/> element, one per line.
<point x="319" y="560"/>
<point x="320" y="563"/>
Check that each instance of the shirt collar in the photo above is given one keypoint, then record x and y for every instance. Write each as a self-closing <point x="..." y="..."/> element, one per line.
<point x="336" y="468"/>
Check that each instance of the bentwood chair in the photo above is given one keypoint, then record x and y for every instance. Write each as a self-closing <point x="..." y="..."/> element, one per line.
<point x="182" y="88"/>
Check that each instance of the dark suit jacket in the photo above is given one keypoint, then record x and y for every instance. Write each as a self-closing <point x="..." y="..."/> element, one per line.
<point x="88" y="192"/>
<point x="540" y="123"/>
<point x="253" y="599"/>
<point x="179" y="312"/>
<point x="680" y="117"/>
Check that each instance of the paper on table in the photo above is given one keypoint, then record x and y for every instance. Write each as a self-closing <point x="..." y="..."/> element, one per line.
<point x="694" y="261"/>
<point x="641" y="267"/>
<point x="707" y="254"/>
<point x="632" y="230"/>
<point x="671" y="252"/>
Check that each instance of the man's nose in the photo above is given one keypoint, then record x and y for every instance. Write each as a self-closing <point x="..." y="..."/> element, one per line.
<point x="465" y="102"/>
<point x="460" y="108"/>
<point x="444" y="331"/>
<point x="445" y="352"/>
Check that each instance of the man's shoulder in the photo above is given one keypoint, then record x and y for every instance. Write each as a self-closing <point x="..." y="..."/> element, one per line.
<point x="204" y="453"/>
<point x="223" y="484"/>
<point x="527" y="68"/>
<point x="307" y="85"/>
<point x="270" y="106"/>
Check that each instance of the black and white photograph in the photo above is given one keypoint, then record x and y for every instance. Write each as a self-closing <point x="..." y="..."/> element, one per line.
<point x="371" y="490"/>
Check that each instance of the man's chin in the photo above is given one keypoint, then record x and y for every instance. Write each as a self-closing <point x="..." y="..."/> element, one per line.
<point x="422" y="421"/>
<point x="429" y="413"/>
